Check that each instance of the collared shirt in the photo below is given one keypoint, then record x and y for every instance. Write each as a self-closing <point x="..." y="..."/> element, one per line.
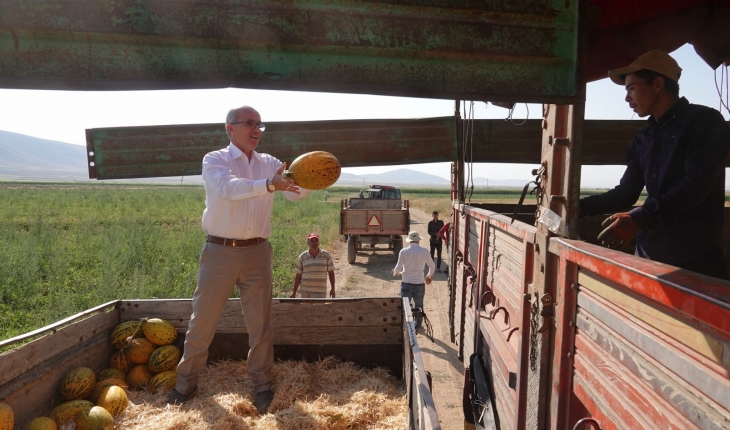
<point x="237" y="204"/>
<point x="314" y="270"/>
<point x="411" y="261"/>
<point x="680" y="158"/>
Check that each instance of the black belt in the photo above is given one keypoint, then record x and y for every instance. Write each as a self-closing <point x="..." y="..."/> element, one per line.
<point x="234" y="243"/>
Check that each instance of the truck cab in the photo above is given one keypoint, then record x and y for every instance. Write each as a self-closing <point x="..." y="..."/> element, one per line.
<point x="383" y="192"/>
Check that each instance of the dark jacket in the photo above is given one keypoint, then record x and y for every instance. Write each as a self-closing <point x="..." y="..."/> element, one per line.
<point x="681" y="160"/>
<point x="433" y="231"/>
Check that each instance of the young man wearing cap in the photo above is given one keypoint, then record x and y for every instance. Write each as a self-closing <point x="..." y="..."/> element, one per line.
<point x="411" y="261"/>
<point x="434" y="226"/>
<point x="680" y="158"/>
<point x="239" y="196"/>
<point x="312" y="268"/>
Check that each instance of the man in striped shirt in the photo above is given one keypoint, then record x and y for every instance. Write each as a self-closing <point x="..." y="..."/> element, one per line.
<point x="313" y="267"/>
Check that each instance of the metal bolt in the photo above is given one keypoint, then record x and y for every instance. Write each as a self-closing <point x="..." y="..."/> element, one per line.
<point x="570" y="355"/>
<point x="572" y="286"/>
<point x="570" y="323"/>
<point x="542" y="268"/>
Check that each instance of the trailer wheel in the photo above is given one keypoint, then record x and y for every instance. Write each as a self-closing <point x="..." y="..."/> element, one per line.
<point x="397" y="245"/>
<point x="351" y="246"/>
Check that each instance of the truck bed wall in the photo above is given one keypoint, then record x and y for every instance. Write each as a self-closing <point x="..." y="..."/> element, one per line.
<point x="637" y="344"/>
<point x="358" y="203"/>
<point x="366" y="331"/>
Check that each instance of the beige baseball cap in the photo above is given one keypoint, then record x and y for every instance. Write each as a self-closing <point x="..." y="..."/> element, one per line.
<point x="657" y="61"/>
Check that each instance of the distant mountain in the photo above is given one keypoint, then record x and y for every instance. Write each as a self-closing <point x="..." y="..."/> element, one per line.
<point x="28" y="158"/>
<point x="393" y="177"/>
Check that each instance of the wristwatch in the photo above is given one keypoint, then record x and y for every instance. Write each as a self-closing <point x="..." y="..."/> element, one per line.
<point x="270" y="185"/>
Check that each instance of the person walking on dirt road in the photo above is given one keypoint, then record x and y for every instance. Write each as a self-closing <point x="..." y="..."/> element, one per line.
<point x="312" y="268"/>
<point x="239" y="196"/>
<point x="434" y="226"/>
<point x="411" y="262"/>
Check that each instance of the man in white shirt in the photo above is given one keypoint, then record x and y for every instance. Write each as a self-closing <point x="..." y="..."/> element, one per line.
<point x="411" y="262"/>
<point x="239" y="195"/>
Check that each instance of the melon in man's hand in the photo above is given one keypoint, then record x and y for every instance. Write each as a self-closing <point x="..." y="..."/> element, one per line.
<point x="314" y="170"/>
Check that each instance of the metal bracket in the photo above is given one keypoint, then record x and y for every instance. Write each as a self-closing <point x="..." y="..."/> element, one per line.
<point x="547" y="312"/>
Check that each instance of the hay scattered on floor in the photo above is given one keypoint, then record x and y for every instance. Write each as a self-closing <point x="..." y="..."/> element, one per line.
<point x="328" y="394"/>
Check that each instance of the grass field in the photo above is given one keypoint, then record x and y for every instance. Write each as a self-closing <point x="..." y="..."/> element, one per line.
<point x="69" y="248"/>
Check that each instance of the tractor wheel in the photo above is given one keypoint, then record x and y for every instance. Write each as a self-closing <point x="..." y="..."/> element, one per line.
<point x="397" y="245"/>
<point x="351" y="245"/>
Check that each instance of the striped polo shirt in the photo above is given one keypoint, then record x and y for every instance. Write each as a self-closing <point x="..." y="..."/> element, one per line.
<point x="314" y="270"/>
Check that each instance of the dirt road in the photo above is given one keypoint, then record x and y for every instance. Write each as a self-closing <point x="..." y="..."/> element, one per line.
<point x="371" y="276"/>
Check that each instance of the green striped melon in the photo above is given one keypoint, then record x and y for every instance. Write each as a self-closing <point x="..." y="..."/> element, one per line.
<point x="139" y="376"/>
<point x="110" y="373"/>
<point x="139" y="350"/>
<point x="114" y="399"/>
<point x="314" y="170"/>
<point x="78" y="383"/>
<point x="119" y="360"/>
<point x="70" y="411"/>
<point x="159" y="331"/>
<point x="164" y="358"/>
<point x="120" y="333"/>
<point x="162" y="380"/>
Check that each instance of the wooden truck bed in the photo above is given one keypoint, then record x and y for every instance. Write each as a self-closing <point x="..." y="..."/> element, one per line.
<point x="367" y="331"/>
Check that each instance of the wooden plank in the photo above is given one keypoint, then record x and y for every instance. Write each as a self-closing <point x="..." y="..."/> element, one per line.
<point x="625" y="394"/>
<point x="427" y="409"/>
<point x="596" y="409"/>
<point x="38" y="356"/>
<point x="32" y="372"/>
<point x="360" y="312"/>
<point x="337" y="335"/>
<point x="504" y="398"/>
<point x="666" y="321"/>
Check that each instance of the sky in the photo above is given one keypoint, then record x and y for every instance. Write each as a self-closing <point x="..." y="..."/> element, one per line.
<point x="64" y="115"/>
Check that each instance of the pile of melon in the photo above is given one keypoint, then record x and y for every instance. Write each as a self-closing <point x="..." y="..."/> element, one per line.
<point x="143" y="358"/>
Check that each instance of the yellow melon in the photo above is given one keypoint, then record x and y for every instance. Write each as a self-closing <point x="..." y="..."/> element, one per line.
<point x="159" y="331"/>
<point x="121" y="332"/>
<point x="119" y="360"/>
<point x="96" y="418"/>
<point x="101" y="385"/>
<point x="70" y="411"/>
<point x="162" y="380"/>
<point x="41" y="423"/>
<point x="314" y="170"/>
<point x="139" y="350"/>
<point x="114" y="399"/>
<point x="7" y="417"/>
<point x="164" y="358"/>
<point x="139" y="376"/>
<point x="78" y="383"/>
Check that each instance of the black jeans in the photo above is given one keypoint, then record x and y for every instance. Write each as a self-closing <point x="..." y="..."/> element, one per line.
<point x="436" y="247"/>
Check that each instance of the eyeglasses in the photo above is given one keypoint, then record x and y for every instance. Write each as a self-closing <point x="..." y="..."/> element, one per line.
<point x="251" y="124"/>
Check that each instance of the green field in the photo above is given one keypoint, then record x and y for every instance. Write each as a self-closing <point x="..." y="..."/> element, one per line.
<point x="68" y="248"/>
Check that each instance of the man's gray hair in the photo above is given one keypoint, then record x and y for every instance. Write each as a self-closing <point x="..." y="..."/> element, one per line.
<point x="233" y="113"/>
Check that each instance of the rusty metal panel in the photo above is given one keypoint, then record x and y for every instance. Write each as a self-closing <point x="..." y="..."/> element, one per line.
<point x="451" y="49"/>
<point x="604" y="141"/>
<point x="178" y="150"/>
<point x="671" y="388"/>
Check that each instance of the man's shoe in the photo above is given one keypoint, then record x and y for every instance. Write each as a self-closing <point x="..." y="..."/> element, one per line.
<point x="438" y="270"/>
<point x="177" y="398"/>
<point x="263" y="401"/>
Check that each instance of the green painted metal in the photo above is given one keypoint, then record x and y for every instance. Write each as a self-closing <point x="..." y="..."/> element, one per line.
<point x="178" y="150"/>
<point x="454" y="49"/>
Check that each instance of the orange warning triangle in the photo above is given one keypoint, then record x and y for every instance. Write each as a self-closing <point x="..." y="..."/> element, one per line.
<point x="374" y="222"/>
